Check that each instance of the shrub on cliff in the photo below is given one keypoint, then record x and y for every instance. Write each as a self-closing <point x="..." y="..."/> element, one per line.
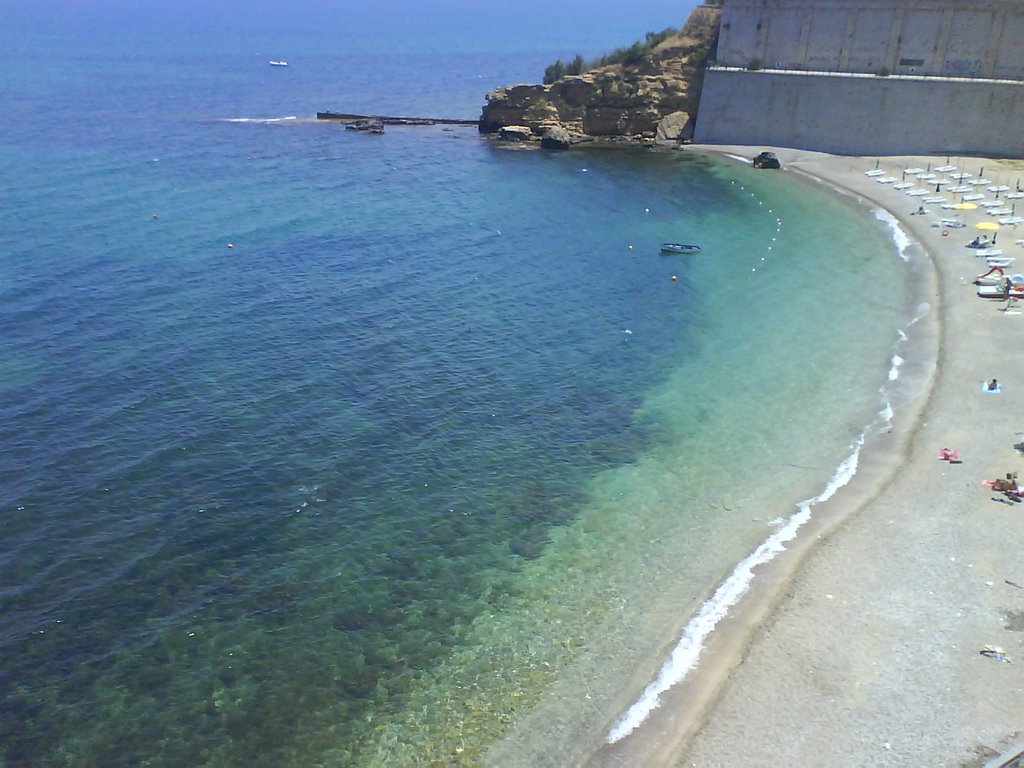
<point x="558" y="70"/>
<point x="632" y="54"/>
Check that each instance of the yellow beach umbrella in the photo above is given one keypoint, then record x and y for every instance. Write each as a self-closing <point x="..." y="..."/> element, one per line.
<point x="989" y="225"/>
<point x="965" y="206"/>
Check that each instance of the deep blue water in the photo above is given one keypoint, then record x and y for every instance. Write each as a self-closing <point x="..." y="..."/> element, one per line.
<point x="289" y="415"/>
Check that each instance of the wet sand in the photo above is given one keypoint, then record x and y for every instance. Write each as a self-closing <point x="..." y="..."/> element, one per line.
<point x="861" y="645"/>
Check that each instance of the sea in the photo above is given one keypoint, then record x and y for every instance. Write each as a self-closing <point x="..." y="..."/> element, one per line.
<point x="328" y="449"/>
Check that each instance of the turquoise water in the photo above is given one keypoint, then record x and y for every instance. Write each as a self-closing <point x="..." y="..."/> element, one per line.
<point x="439" y="441"/>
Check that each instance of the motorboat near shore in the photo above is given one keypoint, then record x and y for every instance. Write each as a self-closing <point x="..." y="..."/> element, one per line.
<point x="679" y="248"/>
<point x="278" y="63"/>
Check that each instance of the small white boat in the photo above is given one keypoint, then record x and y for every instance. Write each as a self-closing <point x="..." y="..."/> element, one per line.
<point x="679" y="248"/>
<point x="1005" y="288"/>
<point x="278" y="63"/>
<point x="994" y="276"/>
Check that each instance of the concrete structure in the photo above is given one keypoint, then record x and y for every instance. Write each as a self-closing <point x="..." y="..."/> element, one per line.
<point x="868" y="76"/>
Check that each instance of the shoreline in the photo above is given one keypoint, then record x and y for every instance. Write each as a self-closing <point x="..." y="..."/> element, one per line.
<point x="731" y="708"/>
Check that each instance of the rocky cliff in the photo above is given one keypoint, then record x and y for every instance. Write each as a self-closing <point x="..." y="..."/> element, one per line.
<point x="654" y="98"/>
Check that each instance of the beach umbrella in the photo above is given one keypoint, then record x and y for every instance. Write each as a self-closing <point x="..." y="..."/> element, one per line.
<point x="967" y="207"/>
<point x="991" y="226"/>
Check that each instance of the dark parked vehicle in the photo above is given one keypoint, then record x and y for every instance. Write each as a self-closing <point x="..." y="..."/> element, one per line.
<point x="766" y="160"/>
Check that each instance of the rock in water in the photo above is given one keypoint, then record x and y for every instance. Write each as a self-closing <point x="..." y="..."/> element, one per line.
<point x="556" y="137"/>
<point x="515" y="133"/>
<point x="370" y="125"/>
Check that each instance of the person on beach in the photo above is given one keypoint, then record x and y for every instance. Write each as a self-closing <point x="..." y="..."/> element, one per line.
<point x="1008" y="486"/>
<point x="993" y="385"/>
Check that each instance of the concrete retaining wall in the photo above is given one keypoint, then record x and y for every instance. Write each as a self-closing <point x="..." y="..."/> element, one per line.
<point x="861" y="115"/>
<point x="961" y="38"/>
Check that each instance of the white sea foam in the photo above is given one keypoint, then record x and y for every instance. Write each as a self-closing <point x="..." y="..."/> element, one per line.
<point x="901" y="238"/>
<point x="685" y="655"/>
<point x="894" y="369"/>
<point x="259" y="119"/>
<point x="741" y="159"/>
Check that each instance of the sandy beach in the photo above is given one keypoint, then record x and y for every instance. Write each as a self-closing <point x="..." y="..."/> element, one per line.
<point x="861" y="645"/>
